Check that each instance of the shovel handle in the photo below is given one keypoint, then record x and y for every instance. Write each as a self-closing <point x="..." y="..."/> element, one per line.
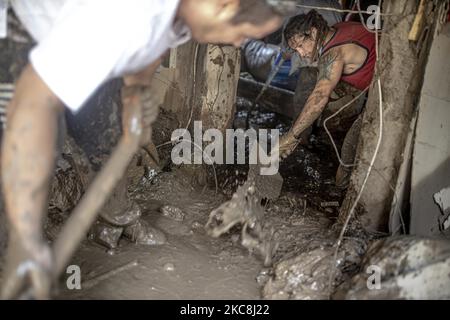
<point x="86" y="212"/>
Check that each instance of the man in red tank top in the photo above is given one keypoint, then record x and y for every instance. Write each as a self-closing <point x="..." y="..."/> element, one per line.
<point x="346" y="56"/>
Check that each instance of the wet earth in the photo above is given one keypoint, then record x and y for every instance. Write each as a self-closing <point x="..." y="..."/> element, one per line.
<point x="193" y="265"/>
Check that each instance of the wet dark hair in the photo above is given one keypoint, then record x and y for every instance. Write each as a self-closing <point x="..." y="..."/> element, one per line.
<point x="253" y="11"/>
<point x="302" y="24"/>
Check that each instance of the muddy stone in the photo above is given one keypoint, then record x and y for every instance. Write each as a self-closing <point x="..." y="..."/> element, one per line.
<point x="106" y="234"/>
<point x="169" y="267"/>
<point x="66" y="189"/>
<point x="212" y="268"/>
<point x="410" y="268"/>
<point x="144" y="234"/>
<point x="307" y="275"/>
<point x="172" y="213"/>
<point x="302" y="278"/>
<point x="215" y="268"/>
<point x="245" y="209"/>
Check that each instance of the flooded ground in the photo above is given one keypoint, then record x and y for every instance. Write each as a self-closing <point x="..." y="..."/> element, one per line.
<point x="193" y="265"/>
<point x="190" y="265"/>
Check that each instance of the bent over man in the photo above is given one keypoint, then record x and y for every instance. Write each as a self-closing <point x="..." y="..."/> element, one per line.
<point x="82" y="45"/>
<point x="346" y="56"/>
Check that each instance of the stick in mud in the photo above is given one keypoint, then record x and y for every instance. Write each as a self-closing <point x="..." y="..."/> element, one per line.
<point x="88" y="284"/>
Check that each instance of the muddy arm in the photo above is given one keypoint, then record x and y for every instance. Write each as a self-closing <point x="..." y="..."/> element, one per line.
<point x="331" y="66"/>
<point x="28" y="158"/>
<point x="330" y="71"/>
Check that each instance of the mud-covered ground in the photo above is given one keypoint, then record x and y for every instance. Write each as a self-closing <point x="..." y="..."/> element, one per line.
<point x="189" y="266"/>
<point x="192" y="265"/>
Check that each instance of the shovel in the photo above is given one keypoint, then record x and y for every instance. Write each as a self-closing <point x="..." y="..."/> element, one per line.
<point x="139" y="111"/>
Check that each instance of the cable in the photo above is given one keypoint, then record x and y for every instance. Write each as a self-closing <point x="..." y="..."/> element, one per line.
<point x="329" y="134"/>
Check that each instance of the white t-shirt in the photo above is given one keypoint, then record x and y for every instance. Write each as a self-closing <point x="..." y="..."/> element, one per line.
<point x="83" y="43"/>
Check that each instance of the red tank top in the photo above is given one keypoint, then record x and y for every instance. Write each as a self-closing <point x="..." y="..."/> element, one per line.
<point x="355" y="33"/>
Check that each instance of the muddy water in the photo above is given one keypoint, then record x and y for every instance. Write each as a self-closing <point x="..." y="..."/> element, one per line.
<point x="192" y="265"/>
<point x="304" y="217"/>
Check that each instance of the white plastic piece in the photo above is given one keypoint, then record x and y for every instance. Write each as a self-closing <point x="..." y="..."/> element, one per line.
<point x="3" y="19"/>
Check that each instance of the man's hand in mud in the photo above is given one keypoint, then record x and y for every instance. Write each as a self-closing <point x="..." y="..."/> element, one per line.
<point x="28" y="274"/>
<point x="288" y="144"/>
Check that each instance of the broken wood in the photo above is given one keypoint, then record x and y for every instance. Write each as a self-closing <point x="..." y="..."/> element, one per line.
<point x="275" y="99"/>
<point x="419" y="22"/>
<point x="88" y="284"/>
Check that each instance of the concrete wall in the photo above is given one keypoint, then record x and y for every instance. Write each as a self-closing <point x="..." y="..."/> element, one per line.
<point x="431" y="158"/>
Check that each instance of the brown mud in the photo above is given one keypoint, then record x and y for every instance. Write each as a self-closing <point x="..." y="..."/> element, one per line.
<point x="194" y="265"/>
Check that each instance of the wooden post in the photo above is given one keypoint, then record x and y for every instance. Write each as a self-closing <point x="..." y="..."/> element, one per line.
<point x="219" y="86"/>
<point x="201" y="80"/>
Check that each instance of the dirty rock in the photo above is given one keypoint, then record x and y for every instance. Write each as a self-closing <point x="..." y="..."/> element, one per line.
<point x="245" y="209"/>
<point x="135" y="174"/>
<point x="144" y="234"/>
<point x="169" y="267"/>
<point x="402" y="268"/>
<point x="66" y="190"/>
<point x="330" y="204"/>
<point x="304" y="277"/>
<point x="264" y="276"/>
<point x="173" y="213"/>
<point x="196" y="225"/>
<point x="106" y="234"/>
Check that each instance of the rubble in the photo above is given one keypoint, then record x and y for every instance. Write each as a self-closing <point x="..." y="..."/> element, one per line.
<point x="410" y="268"/>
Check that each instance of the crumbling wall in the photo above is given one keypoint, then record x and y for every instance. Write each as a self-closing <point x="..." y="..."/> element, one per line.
<point x="198" y="83"/>
<point x="401" y="69"/>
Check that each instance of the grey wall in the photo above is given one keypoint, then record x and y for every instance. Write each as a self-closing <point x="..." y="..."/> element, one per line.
<point x="431" y="159"/>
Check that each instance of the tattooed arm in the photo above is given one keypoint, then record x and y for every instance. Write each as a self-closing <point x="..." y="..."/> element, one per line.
<point x="331" y="66"/>
<point x="28" y="157"/>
